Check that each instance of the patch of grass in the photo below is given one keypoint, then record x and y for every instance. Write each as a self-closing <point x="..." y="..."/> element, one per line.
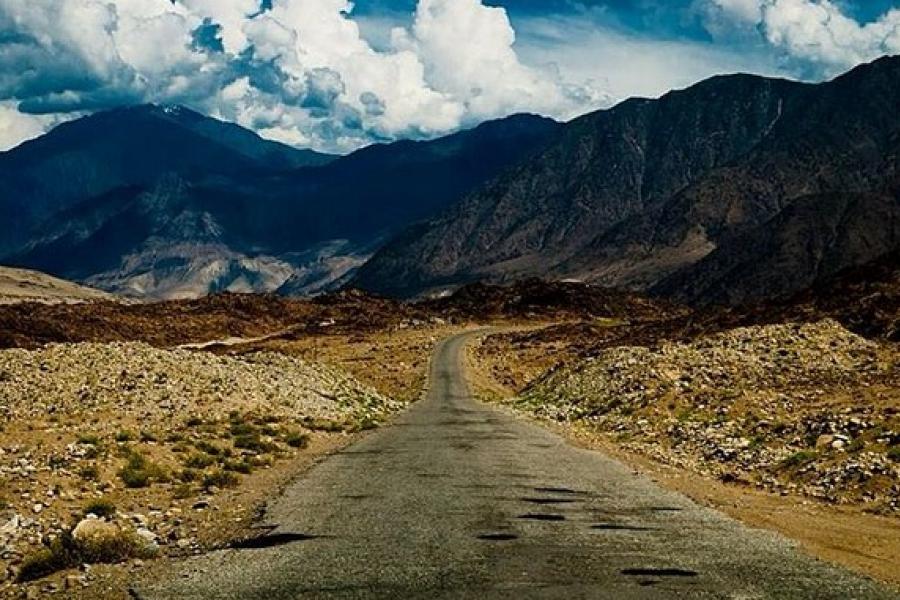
<point x="102" y="507"/>
<point x="4" y="503"/>
<point x="188" y="475"/>
<point x="124" y="436"/>
<point x="253" y="442"/>
<point x="199" y="460"/>
<point x="208" y="447"/>
<point x="296" y="439"/>
<point x="148" y="436"/>
<point x="65" y="553"/>
<point x="89" y="473"/>
<point x="238" y="466"/>
<point x="89" y="439"/>
<point x="239" y="429"/>
<point x="221" y="479"/>
<point x="193" y="422"/>
<point x="798" y="459"/>
<point x="319" y="424"/>
<point x="856" y="445"/>
<point x="894" y="453"/>
<point x="182" y="491"/>
<point x="140" y="472"/>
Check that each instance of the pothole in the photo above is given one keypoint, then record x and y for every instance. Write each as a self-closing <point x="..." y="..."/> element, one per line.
<point x="549" y="500"/>
<point x="542" y="517"/>
<point x="271" y="540"/>
<point x="620" y="527"/>
<point x="556" y="490"/>
<point x="498" y="537"/>
<point x="665" y="572"/>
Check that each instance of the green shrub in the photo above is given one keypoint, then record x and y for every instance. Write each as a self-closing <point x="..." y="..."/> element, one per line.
<point x="199" y="460"/>
<point x="139" y="472"/>
<point x="296" y="439"/>
<point x="221" y="479"/>
<point x="239" y="429"/>
<point x="65" y="553"/>
<point x="894" y="453"/>
<point x="207" y="447"/>
<point x="239" y="466"/>
<point x="799" y="458"/>
<point x="103" y="508"/>
<point x="182" y="491"/>
<point x="124" y="436"/>
<point x="253" y="442"/>
<point x="193" y="422"/>
<point x="89" y="472"/>
<point x="188" y="475"/>
<point x="148" y="436"/>
<point x="89" y="439"/>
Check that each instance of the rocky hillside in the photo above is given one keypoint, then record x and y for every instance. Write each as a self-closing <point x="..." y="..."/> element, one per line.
<point x="149" y="442"/>
<point x="796" y="408"/>
<point x="735" y="189"/>
<point x="22" y="285"/>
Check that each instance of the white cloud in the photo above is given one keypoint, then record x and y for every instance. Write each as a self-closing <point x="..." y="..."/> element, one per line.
<point x="815" y="31"/>
<point x="301" y="71"/>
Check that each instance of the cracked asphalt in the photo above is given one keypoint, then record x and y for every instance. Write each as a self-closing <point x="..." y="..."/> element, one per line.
<point x="458" y="499"/>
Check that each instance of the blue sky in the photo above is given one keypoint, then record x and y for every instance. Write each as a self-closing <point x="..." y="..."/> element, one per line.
<point x="335" y="75"/>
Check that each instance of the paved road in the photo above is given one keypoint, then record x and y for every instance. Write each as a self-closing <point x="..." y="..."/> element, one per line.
<point x="460" y="500"/>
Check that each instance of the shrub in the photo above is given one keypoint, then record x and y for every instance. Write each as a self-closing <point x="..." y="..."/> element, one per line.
<point x="207" y="447"/>
<point x="220" y="478"/>
<point x="139" y="472"/>
<point x="188" y="475"/>
<point x="89" y="439"/>
<point x="193" y="422"/>
<point x="65" y="553"/>
<point x="103" y="508"/>
<point x="894" y="453"/>
<point x="199" y="460"/>
<point x="253" y="442"/>
<point x="148" y="436"/>
<point x="239" y="466"/>
<point x="295" y="439"/>
<point x="89" y="472"/>
<point x="124" y="436"/>
<point x="799" y="458"/>
<point x="182" y="491"/>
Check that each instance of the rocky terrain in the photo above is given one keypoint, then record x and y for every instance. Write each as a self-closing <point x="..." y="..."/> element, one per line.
<point x="729" y="191"/>
<point x="809" y="409"/>
<point x="150" y="441"/>
<point x="22" y="285"/>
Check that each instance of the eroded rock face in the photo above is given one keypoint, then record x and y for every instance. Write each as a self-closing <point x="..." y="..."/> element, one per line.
<point x="809" y="408"/>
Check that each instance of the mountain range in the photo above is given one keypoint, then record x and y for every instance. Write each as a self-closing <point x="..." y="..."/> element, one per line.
<point x="162" y="202"/>
<point x="736" y="189"/>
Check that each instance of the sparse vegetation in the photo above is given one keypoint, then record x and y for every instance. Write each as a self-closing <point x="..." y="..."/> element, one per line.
<point x="799" y="459"/>
<point x="103" y="508"/>
<point x="140" y="472"/>
<point x="221" y="479"/>
<point x="296" y="439"/>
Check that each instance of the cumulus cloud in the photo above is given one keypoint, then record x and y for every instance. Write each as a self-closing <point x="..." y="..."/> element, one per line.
<point x="295" y="70"/>
<point x="816" y="31"/>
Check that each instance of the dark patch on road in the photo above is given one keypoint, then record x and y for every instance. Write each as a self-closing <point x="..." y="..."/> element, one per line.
<point x="665" y="572"/>
<point x="432" y="475"/>
<point x="619" y="527"/>
<point x="498" y="537"/>
<point x="549" y="500"/>
<point x="272" y="539"/>
<point x="355" y="496"/>
<point x="556" y="490"/>
<point x="542" y="517"/>
<point x="664" y="509"/>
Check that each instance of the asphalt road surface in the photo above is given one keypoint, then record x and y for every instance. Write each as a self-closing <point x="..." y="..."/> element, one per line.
<point x="457" y="499"/>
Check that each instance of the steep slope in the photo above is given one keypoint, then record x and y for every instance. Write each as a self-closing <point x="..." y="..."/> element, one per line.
<point x="297" y="231"/>
<point x="631" y="195"/>
<point x="127" y="147"/>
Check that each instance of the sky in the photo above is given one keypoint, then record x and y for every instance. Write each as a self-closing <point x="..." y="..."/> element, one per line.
<point x="335" y="75"/>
